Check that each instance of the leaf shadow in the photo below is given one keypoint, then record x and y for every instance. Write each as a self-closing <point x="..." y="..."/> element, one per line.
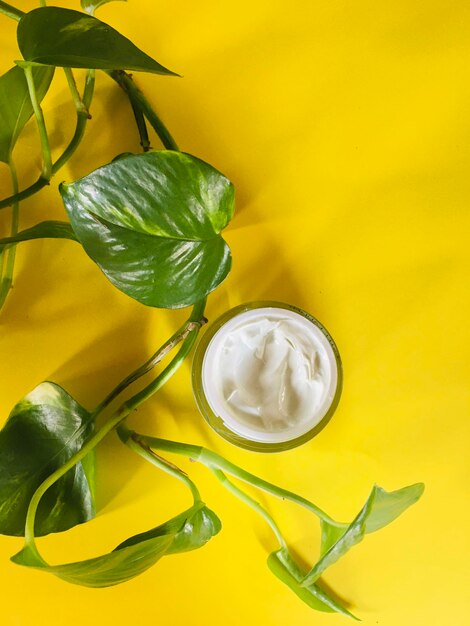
<point x="87" y="385"/>
<point x="265" y="537"/>
<point x="183" y="414"/>
<point x="101" y="142"/>
<point x="277" y="281"/>
<point x="324" y="586"/>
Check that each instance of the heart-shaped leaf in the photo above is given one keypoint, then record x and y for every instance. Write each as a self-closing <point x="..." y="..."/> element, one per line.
<point x="68" y="38"/>
<point x="283" y="566"/>
<point x="187" y="531"/>
<point x="90" y="6"/>
<point x="15" y="104"/>
<point x="44" y="431"/>
<point x="152" y="222"/>
<point x="381" y="508"/>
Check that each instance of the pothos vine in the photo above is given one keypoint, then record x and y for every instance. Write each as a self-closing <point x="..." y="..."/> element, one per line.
<point x="152" y="223"/>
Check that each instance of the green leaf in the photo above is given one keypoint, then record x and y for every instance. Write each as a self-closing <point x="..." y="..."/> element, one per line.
<point x="44" y="230"/>
<point x="381" y="508"/>
<point x="192" y="529"/>
<point x="283" y="566"/>
<point x="330" y="535"/>
<point x="187" y="531"/>
<point x="67" y="38"/>
<point x="15" y="104"/>
<point x="90" y="6"/>
<point x="43" y="431"/>
<point x="106" y="570"/>
<point x="152" y="222"/>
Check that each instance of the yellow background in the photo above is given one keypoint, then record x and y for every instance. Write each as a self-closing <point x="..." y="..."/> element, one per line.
<point x="344" y="126"/>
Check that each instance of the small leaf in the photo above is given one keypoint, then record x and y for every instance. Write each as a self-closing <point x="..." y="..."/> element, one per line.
<point x="283" y="566"/>
<point x="68" y="38"/>
<point x="192" y="528"/>
<point x="152" y="222"/>
<point x="330" y="535"/>
<point x="90" y="6"/>
<point x="187" y="531"/>
<point x="381" y="508"/>
<point x="43" y="431"/>
<point x="106" y="570"/>
<point x="44" y="230"/>
<point x="15" y="104"/>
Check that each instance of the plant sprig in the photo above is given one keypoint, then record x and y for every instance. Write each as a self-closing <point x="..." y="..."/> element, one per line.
<point x="152" y="222"/>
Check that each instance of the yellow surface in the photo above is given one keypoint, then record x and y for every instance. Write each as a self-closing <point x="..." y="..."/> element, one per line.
<point x="344" y="126"/>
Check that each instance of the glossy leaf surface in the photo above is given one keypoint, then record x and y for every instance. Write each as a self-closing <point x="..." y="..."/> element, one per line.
<point x="44" y="230"/>
<point x="330" y="535"/>
<point x="283" y="566"/>
<point x="381" y="508"/>
<point x="192" y="528"/>
<point x="152" y="222"/>
<point x="15" y="104"/>
<point x="90" y="6"/>
<point x="42" y="432"/>
<point x="68" y="38"/>
<point x="187" y="531"/>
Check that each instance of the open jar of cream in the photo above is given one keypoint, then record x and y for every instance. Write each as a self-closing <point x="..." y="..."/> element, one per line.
<point x="267" y="376"/>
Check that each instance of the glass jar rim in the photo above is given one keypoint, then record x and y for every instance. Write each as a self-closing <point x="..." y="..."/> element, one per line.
<point x="217" y="422"/>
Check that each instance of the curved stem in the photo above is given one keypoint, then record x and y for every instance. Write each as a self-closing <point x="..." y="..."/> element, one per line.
<point x="10" y="251"/>
<point x="194" y="322"/>
<point x="79" y="106"/>
<point x="139" y="447"/>
<point x="10" y="11"/>
<point x="138" y="99"/>
<point x="118" y="417"/>
<point x="46" y="150"/>
<point x="183" y="352"/>
<point x="244" y="497"/>
<point x="212" y="459"/>
<point x="82" y="119"/>
<point x="76" y="458"/>
<point x="24" y="193"/>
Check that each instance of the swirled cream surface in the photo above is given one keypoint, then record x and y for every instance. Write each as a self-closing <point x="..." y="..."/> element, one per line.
<point x="270" y="374"/>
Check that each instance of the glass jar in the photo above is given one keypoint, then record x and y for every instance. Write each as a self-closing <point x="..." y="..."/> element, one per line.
<point x="238" y="389"/>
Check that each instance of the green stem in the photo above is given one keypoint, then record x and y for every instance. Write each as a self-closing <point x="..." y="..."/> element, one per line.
<point x="136" y="445"/>
<point x="125" y="410"/>
<point x="10" y="11"/>
<point x="25" y="193"/>
<point x="79" y="106"/>
<point x="213" y="460"/>
<point x="2" y="261"/>
<point x="244" y="497"/>
<point x="183" y="352"/>
<point x="138" y="99"/>
<point x="46" y="150"/>
<point x="76" y="458"/>
<point x="194" y="322"/>
<point x="82" y="119"/>
<point x="10" y="251"/>
<point x="141" y="127"/>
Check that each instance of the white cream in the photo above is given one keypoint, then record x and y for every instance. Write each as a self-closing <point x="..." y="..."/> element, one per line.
<point x="270" y="374"/>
